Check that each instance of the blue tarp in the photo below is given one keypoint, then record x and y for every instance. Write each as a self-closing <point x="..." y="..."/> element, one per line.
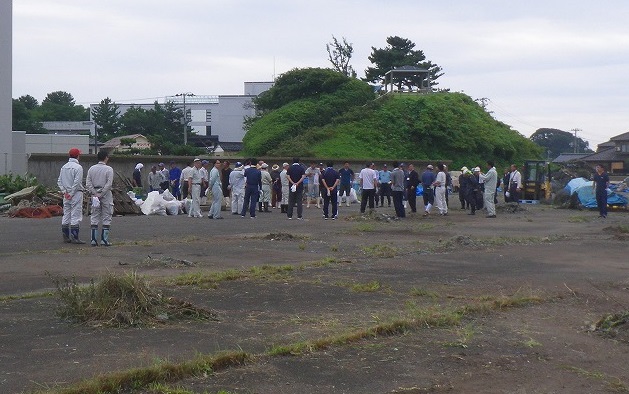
<point x="586" y="195"/>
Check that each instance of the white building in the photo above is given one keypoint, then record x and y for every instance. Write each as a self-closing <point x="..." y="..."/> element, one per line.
<point x="219" y="116"/>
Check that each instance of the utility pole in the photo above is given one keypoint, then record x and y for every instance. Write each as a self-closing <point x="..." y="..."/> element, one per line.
<point x="575" y="138"/>
<point x="185" y="115"/>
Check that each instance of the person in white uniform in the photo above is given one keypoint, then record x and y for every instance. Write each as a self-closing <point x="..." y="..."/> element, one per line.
<point x="194" y="189"/>
<point x="216" y="186"/>
<point x="285" y="187"/>
<point x="70" y="183"/>
<point x="440" y="190"/>
<point x="237" y="187"/>
<point x="490" y="179"/>
<point x="99" y="182"/>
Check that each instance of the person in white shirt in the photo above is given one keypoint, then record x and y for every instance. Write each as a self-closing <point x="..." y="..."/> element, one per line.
<point x="216" y="186"/>
<point x="183" y="180"/>
<point x="440" y="190"/>
<point x="195" y="178"/>
<point x="490" y="179"/>
<point x="237" y="187"/>
<point x="368" y="180"/>
<point x="515" y="184"/>
<point x="70" y="183"/>
<point x="99" y="182"/>
<point x="313" y="173"/>
<point x="285" y="187"/>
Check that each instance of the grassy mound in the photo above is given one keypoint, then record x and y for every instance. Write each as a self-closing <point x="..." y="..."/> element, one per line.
<point x="122" y="301"/>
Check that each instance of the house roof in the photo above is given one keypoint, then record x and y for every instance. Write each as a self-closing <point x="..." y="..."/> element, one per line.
<point x="621" y="137"/>
<point x="605" y="145"/>
<point x="231" y="146"/>
<point x="568" y="157"/>
<point x="609" y="154"/>
<point x="115" y="142"/>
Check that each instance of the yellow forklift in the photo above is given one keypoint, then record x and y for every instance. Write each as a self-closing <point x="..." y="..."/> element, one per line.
<point x="535" y="181"/>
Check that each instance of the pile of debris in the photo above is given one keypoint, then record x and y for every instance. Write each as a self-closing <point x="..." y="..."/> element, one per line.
<point x="29" y="203"/>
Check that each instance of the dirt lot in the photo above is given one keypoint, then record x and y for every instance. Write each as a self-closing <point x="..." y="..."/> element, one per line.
<point x="457" y="304"/>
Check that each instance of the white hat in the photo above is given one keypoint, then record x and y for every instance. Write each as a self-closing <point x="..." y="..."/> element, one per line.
<point x="264" y="165"/>
<point x="464" y="169"/>
<point x="476" y="169"/>
<point x="430" y="167"/>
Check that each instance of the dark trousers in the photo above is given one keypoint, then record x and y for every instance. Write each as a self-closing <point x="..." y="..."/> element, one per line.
<point x="252" y="194"/>
<point x="462" y="198"/>
<point x="429" y="196"/>
<point x="411" y="196"/>
<point x="176" y="191"/>
<point x="398" y="197"/>
<point x="295" y="198"/>
<point x="184" y="190"/>
<point x="332" y="198"/>
<point x="367" y="194"/>
<point x="385" y="190"/>
<point x="514" y="193"/>
<point x="470" y="199"/>
<point x="345" y="189"/>
<point x="601" y="202"/>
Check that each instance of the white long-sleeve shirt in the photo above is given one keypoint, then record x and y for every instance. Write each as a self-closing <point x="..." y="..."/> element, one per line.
<point x="516" y="178"/>
<point x="99" y="179"/>
<point x="71" y="177"/>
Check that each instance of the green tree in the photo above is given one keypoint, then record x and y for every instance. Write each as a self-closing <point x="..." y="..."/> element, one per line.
<point x="400" y="52"/>
<point x="298" y="84"/>
<point x="60" y="106"/>
<point x="555" y="142"/>
<point x="107" y="119"/>
<point x="23" y="119"/>
<point x="340" y="54"/>
<point x="160" y="124"/>
<point x="29" y="102"/>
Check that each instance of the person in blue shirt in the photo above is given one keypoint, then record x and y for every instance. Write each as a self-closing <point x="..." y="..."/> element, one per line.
<point x="174" y="174"/>
<point x="384" y="180"/>
<point x="600" y="185"/>
<point x="347" y="178"/>
<point x="253" y="185"/>
<point x="330" y="180"/>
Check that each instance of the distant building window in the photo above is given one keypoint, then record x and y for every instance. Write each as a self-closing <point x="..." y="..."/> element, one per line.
<point x="624" y="148"/>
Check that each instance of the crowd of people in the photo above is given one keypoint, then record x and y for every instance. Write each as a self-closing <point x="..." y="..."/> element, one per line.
<point x="251" y="187"/>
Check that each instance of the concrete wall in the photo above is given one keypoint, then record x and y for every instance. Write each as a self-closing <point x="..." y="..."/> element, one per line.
<point x="56" y="143"/>
<point x="6" y="118"/>
<point x="19" y="152"/>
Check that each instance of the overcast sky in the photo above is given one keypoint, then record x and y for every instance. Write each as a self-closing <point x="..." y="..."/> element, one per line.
<point x="552" y="63"/>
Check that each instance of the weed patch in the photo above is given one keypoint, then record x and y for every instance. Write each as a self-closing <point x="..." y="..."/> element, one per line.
<point x="418" y="292"/>
<point x="614" y="325"/>
<point x="380" y="251"/>
<point x="122" y="301"/>
<point x="613" y="383"/>
<point x="213" y="278"/>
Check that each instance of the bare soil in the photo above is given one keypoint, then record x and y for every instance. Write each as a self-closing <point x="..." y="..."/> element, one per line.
<point x="347" y="275"/>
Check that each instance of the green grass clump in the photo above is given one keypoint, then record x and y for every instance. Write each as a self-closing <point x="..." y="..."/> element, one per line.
<point x="121" y="301"/>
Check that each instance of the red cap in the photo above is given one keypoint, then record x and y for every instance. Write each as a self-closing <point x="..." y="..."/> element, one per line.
<point x="74" y="152"/>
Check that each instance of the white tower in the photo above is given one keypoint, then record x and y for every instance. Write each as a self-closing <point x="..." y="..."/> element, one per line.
<point x="6" y="103"/>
